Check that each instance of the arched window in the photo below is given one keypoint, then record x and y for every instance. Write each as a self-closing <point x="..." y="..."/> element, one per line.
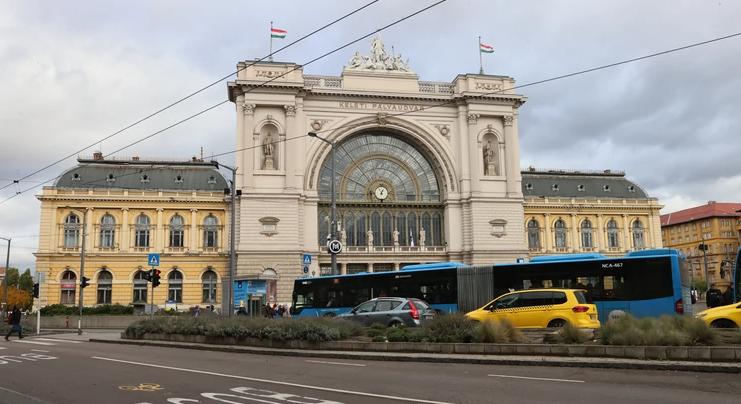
<point x="175" y="286"/>
<point x="388" y="229"/>
<point x="105" y="287"/>
<point x="533" y="235"/>
<point x="141" y="238"/>
<point x="361" y="229"/>
<point x="638" y="240"/>
<point x="209" y="286"/>
<point x="437" y="229"/>
<point x="140" y="287"/>
<point x="210" y="231"/>
<point x="71" y="231"/>
<point x="107" y="231"/>
<point x="401" y="226"/>
<point x="413" y="230"/>
<point x="613" y="240"/>
<point x="176" y="231"/>
<point x="68" y="286"/>
<point x="427" y="227"/>
<point x="375" y="224"/>
<point x="560" y="233"/>
<point x="586" y="234"/>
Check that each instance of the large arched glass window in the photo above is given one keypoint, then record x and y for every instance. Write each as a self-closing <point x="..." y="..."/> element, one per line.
<point x="71" y="231"/>
<point x="140" y="287"/>
<point x="107" y="231"/>
<point x="210" y="231"/>
<point x="533" y="235"/>
<point x="613" y="241"/>
<point x="68" y="286"/>
<point x="209" y="286"/>
<point x="141" y="236"/>
<point x="177" y="225"/>
<point x="638" y="240"/>
<point x="559" y="229"/>
<point x="383" y="184"/>
<point x="175" y="286"/>
<point x="586" y="234"/>
<point x="105" y="287"/>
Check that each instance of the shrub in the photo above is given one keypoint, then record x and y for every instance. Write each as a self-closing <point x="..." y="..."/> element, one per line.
<point x="499" y="332"/>
<point x="451" y="328"/>
<point x="666" y="330"/>
<point x="398" y="334"/>
<point x="107" y="309"/>
<point x="569" y="334"/>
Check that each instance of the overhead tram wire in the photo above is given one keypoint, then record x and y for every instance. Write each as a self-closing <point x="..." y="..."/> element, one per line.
<point x="202" y="89"/>
<point x="249" y="90"/>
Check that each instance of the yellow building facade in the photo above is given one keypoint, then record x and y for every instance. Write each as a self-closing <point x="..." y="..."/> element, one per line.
<point x="127" y="210"/>
<point x="715" y="224"/>
<point x="578" y="212"/>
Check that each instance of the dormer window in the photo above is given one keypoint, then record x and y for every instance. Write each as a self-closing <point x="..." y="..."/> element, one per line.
<point x="529" y="186"/>
<point x="581" y="188"/>
<point x="631" y="188"/>
<point x="110" y="178"/>
<point x="179" y="179"/>
<point x="606" y="188"/>
<point x="212" y="180"/>
<point x="144" y="178"/>
<point x="554" y="187"/>
<point x="76" y="177"/>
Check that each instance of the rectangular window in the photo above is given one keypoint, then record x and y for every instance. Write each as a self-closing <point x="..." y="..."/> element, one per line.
<point x="142" y="238"/>
<point x="104" y="294"/>
<point x="176" y="238"/>
<point x="209" y="238"/>
<point x="175" y="293"/>
<point x="68" y="296"/>
<point x="140" y="293"/>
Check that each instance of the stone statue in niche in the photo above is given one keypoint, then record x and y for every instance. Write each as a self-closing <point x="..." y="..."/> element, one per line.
<point x="490" y="159"/>
<point x="422" y="237"/>
<point x="370" y="238"/>
<point x="396" y="237"/>
<point x="268" y="149"/>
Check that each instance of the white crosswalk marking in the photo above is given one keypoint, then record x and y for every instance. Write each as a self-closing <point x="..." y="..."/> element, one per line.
<point x="58" y="340"/>
<point x="33" y="342"/>
<point x="2" y="347"/>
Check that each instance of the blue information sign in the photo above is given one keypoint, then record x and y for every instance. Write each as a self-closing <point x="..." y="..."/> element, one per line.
<point x="153" y="260"/>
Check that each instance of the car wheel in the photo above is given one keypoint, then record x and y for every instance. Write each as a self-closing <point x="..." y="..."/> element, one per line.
<point x="395" y="324"/>
<point x="557" y="323"/>
<point x="723" y="323"/>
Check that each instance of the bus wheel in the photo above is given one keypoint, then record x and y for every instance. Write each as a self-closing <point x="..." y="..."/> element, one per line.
<point x="723" y="323"/>
<point x="329" y="315"/>
<point x="557" y="323"/>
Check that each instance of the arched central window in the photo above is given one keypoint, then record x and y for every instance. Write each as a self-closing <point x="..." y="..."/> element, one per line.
<point x="177" y="225"/>
<point x="612" y="234"/>
<point x="175" y="286"/>
<point x="140" y="287"/>
<point x="107" y="231"/>
<point x="71" y="231"/>
<point x="105" y="287"/>
<point x="141" y="238"/>
<point x="210" y="231"/>
<point x="388" y="192"/>
<point x="638" y="240"/>
<point x="559" y="229"/>
<point x="586" y="234"/>
<point x="68" y="286"/>
<point x="209" y="286"/>
<point x="533" y="235"/>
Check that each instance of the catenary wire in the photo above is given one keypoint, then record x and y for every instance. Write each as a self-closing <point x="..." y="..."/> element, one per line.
<point x="200" y="90"/>
<point x="251" y="89"/>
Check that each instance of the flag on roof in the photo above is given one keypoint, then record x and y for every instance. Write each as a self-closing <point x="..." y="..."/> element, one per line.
<point x="484" y="48"/>
<point x="278" y="33"/>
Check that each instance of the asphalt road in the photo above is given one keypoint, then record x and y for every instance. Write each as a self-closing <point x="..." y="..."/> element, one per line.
<point x="65" y="369"/>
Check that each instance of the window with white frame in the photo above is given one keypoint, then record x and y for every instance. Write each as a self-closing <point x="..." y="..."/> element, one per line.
<point x="175" y="286"/>
<point x="107" y="231"/>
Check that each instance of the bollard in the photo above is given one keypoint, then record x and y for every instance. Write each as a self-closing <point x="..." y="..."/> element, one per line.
<point x="66" y="322"/>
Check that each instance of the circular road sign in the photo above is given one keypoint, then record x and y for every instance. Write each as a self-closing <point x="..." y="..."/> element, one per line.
<point x="334" y="246"/>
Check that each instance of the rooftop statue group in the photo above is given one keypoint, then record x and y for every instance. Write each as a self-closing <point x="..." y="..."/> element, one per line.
<point x="379" y="59"/>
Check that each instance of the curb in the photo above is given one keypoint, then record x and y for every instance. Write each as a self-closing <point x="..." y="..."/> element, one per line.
<point x="518" y="360"/>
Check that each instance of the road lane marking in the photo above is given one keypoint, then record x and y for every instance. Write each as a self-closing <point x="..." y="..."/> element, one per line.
<point x="40" y="350"/>
<point x="2" y="347"/>
<point x="19" y="394"/>
<point x="58" y="340"/>
<point x="254" y="379"/>
<point x="337" y="363"/>
<point x="33" y="342"/>
<point x="539" y="378"/>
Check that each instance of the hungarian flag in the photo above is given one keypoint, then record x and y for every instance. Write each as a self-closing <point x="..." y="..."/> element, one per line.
<point x="484" y="48"/>
<point x="278" y="33"/>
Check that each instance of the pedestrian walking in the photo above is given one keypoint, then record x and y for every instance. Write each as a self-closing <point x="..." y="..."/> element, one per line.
<point x="197" y="312"/>
<point x="693" y="295"/>
<point x="14" y="319"/>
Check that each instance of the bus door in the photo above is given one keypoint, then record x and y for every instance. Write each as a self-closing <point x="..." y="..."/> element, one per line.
<point x="608" y="292"/>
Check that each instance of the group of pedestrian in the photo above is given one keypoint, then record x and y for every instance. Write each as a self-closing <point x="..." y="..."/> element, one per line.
<point x="275" y="311"/>
<point x="14" y="319"/>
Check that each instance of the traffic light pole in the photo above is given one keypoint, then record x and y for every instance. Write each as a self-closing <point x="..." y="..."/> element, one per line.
<point x="5" y="278"/>
<point x="151" y="298"/>
<point x="82" y="269"/>
<point x="38" y="303"/>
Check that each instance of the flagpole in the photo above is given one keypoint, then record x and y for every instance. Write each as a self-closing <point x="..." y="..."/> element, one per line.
<point x="270" y="57"/>
<point x="481" y="59"/>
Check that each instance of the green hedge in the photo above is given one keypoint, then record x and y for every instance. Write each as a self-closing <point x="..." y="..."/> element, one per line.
<point x="663" y="331"/>
<point x="108" y="309"/>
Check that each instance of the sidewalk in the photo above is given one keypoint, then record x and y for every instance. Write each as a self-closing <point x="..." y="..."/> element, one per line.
<point x="520" y="360"/>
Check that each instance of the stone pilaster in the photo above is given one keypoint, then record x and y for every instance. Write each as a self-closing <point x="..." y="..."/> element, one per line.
<point x="124" y="237"/>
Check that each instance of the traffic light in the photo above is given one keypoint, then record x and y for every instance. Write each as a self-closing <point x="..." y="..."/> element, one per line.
<point x="148" y="276"/>
<point x="156" y="278"/>
<point x="35" y="290"/>
<point x="84" y="282"/>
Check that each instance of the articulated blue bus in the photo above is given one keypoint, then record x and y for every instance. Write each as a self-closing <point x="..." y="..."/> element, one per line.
<point x="642" y="283"/>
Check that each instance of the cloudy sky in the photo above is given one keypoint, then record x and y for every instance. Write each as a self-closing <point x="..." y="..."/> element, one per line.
<point x="74" y="72"/>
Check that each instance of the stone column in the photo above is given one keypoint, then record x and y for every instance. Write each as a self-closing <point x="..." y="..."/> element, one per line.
<point x="600" y="233"/>
<point x="290" y="157"/>
<point x="125" y="236"/>
<point x="90" y="231"/>
<point x="343" y="268"/>
<point x="512" y="150"/>
<point x="397" y="266"/>
<point x="193" y="242"/>
<point x="462" y="144"/>
<point x="370" y="267"/>
<point x="466" y="162"/>
<point x="648" y="233"/>
<point x="159" y="236"/>
<point x="575" y="239"/>
<point x="239" y="158"/>
<point x="626" y="236"/>
<point x="547" y="230"/>
<point x="247" y="157"/>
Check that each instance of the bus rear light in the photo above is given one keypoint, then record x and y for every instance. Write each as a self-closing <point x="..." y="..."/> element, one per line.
<point x="679" y="307"/>
<point x="413" y="310"/>
<point x="580" y="309"/>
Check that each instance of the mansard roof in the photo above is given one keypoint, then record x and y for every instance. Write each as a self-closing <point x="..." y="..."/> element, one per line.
<point x="579" y="184"/>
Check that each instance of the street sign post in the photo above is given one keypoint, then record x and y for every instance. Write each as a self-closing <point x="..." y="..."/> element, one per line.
<point x="154" y="261"/>
<point x="334" y="246"/>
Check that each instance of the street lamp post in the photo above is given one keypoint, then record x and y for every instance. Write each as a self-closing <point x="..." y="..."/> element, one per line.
<point x="5" y="277"/>
<point x="232" y="235"/>
<point x="333" y="227"/>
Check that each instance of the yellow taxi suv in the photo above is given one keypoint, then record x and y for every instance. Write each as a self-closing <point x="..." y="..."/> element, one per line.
<point x="728" y="316"/>
<point x="541" y="308"/>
